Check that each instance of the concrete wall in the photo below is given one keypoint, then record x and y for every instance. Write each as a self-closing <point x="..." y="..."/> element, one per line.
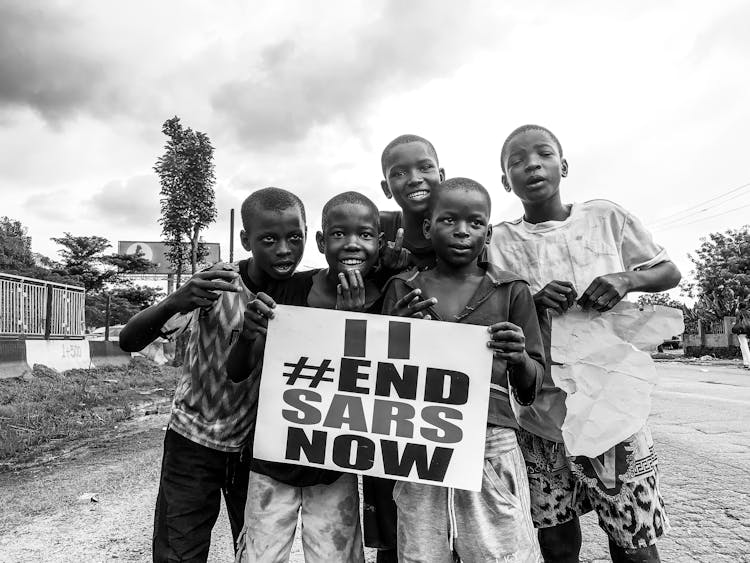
<point x="18" y="357"/>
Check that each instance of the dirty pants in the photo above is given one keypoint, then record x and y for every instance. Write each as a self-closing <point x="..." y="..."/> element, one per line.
<point x="493" y="525"/>
<point x="329" y="514"/>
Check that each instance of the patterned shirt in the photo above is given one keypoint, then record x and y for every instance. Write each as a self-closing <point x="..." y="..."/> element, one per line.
<point x="208" y="407"/>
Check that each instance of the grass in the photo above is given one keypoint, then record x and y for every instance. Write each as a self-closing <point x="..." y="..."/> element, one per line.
<point x="50" y="407"/>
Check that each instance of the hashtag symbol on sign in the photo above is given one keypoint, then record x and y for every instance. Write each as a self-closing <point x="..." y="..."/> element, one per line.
<point x="301" y="366"/>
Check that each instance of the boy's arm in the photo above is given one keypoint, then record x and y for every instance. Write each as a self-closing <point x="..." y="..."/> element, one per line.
<point x="607" y="291"/>
<point x="519" y="342"/>
<point x="247" y="352"/>
<point x="199" y="291"/>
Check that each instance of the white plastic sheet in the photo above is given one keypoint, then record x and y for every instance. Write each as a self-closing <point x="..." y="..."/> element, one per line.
<point x="607" y="376"/>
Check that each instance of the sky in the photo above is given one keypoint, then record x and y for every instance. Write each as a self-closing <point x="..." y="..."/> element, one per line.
<point x="649" y="101"/>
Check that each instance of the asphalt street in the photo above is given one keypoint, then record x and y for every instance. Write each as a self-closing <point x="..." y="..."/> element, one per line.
<point x="701" y="426"/>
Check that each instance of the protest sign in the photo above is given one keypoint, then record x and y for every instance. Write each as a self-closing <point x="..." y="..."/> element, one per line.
<point x="391" y="397"/>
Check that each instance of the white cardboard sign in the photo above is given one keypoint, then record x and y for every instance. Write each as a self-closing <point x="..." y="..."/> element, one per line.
<point x="391" y="397"/>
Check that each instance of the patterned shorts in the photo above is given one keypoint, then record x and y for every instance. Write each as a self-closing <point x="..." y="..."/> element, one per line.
<point x="621" y="485"/>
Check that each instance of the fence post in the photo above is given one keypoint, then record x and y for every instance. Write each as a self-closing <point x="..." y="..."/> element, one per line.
<point x="48" y="314"/>
<point x="701" y="335"/>
<point x="106" y="319"/>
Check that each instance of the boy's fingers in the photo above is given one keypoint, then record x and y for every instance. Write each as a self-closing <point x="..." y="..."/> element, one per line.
<point x="504" y="325"/>
<point x="344" y="284"/>
<point x="420" y="306"/>
<point x="266" y="299"/>
<point x="399" y="242"/>
<point x="218" y="286"/>
<point x="508" y="336"/>
<point x="227" y="275"/>
<point x="506" y="346"/>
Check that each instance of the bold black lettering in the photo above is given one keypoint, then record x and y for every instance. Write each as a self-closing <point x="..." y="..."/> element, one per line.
<point x="355" y="338"/>
<point x="296" y="442"/>
<point x="349" y="374"/>
<point x="305" y="414"/>
<point x="399" y="340"/>
<point x="415" y="454"/>
<point x="343" y="405"/>
<point x="388" y="378"/>
<point x="386" y="412"/>
<point x="444" y="432"/>
<point x="458" y="386"/>
<point x="364" y="455"/>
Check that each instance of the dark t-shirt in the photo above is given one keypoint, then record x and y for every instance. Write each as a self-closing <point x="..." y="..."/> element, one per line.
<point x="422" y="255"/>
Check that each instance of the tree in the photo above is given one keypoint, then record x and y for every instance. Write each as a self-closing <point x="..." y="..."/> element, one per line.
<point x="124" y="303"/>
<point x="82" y="258"/>
<point x="186" y="174"/>
<point x="722" y="273"/>
<point x="15" y="245"/>
<point x="659" y="299"/>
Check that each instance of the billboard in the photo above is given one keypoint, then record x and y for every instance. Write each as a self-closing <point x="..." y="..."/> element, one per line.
<point x="156" y="252"/>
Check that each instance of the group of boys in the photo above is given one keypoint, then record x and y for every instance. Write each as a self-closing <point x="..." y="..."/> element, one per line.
<point x="438" y="258"/>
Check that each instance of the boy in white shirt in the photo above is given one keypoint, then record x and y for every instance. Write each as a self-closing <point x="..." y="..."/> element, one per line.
<point x="595" y="252"/>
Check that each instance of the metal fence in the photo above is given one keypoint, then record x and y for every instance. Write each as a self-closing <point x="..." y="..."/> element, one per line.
<point x="31" y="308"/>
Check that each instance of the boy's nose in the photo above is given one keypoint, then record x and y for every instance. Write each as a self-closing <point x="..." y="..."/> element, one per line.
<point x="283" y="249"/>
<point x="462" y="229"/>
<point x="415" y="177"/>
<point x="533" y="164"/>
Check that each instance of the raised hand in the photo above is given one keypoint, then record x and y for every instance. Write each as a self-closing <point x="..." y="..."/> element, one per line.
<point x="556" y="295"/>
<point x="350" y="293"/>
<point x="393" y="255"/>
<point x="605" y="292"/>
<point x="202" y="290"/>
<point x="412" y="305"/>
<point x="257" y="314"/>
<point x="507" y="341"/>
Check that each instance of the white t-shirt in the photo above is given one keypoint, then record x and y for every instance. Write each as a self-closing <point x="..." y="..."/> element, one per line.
<point x="599" y="237"/>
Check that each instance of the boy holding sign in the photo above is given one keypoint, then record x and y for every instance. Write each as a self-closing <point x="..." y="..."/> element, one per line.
<point x="212" y="418"/>
<point x="436" y="523"/>
<point x="328" y="500"/>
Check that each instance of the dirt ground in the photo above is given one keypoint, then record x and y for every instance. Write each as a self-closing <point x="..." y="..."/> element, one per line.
<point x="48" y="513"/>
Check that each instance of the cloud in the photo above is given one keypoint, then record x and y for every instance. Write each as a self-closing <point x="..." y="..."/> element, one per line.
<point x="305" y="82"/>
<point x="46" y="64"/>
<point x="133" y="202"/>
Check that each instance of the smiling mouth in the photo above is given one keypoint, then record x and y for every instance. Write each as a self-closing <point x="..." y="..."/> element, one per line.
<point x="352" y="262"/>
<point x="418" y="195"/>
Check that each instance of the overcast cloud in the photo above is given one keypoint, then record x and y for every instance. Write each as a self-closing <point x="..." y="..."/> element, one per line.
<point x="649" y="100"/>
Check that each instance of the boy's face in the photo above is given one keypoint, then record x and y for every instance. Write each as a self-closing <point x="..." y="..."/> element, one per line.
<point x="459" y="226"/>
<point x="533" y="167"/>
<point x="276" y="239"/>
<point x="351" y="240"/>
<point x="411" y="174"/>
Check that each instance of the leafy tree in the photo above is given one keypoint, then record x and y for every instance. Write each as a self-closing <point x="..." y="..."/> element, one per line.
<point x="660" y="299"/>
<point x="15" y="245"/>
<point x="186" y="174"/>
<point x="722" y="273"/>
<point x="124" y="303"/>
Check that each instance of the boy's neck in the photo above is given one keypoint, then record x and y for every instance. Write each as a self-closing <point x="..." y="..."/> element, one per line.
<point x="255" y="274"/>
<point x="550" y="210"/>
<point x="458" y="273"/>
<point x="413" y="231"/>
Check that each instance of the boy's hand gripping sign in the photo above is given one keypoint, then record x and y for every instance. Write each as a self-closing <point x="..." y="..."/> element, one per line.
<point x="391" y="397"/>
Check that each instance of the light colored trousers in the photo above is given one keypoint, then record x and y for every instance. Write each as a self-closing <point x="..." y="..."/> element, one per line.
<point x="745" y="350"/>
<point x="490" y="526"/>
<point x="330" y="521"/>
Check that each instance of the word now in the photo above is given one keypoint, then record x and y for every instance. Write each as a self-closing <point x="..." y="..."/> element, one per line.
<point x="358" y="453"/>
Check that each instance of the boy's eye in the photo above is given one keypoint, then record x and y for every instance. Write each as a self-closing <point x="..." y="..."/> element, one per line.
<point x="366" y="235"/>
<point x="268" y="239"/>
<point x="337" y="234"/>
<point x="448" y="220"/>
<point x="295" y="237"/>
<point x="427" y="166"/>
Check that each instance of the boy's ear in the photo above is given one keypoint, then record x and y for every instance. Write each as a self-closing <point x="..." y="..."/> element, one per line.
<point x="488" y="237"/>
<point x="506" y="184"/>
<point x="245" y="240"/>
<point x="321" y="241"/>
<point x="386" y="190"/>
<point x="426" y="229"/>
<point x="442" y="175"/>
<point x="564" y="168"/>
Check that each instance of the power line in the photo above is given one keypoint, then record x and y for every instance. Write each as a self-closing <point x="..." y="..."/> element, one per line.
<point x="675" y="225"/>
<point x="678" y="220"/>
<point x="689" y="210"/>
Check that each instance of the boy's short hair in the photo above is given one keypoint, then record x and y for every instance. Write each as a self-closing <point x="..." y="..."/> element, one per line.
<point x="269" y="199"/>
<point x="402" y="140"/>
<point x="465" y="184"/>
<point x="523" y="129"/>
<point x="354" y="198"/>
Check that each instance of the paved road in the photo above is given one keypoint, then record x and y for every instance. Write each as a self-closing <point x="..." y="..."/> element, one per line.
<point x="700" y="424"/>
